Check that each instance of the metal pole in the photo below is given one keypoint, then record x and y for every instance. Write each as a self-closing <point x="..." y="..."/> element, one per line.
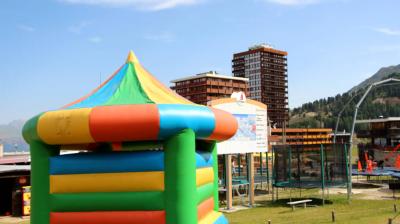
<point x="298" y="169"/>
<point x="322" y="174"/>
<point x="336" y="127"/>
<point x="228" y="181"/>
<point x="340" y="115"/>
<point x="277" y="193"/>
<point x="273" y="174"/>
<point x="250" y="177"/>
<point x="239" y="158"/>
<point x="261" y="169"/>
<point x="289" y="173"/>
<point x="347" y="172"/>
<point x="267" y="164"/>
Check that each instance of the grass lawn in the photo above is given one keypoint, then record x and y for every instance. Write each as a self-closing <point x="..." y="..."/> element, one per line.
<point x="359" y="211"/>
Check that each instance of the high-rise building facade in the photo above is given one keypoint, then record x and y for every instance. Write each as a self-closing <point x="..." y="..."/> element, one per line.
<point x="208" y="86"/>
<point x="266" y="69"/>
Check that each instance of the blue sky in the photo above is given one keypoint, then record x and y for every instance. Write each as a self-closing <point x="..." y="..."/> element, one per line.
<point x="55" y="51"/>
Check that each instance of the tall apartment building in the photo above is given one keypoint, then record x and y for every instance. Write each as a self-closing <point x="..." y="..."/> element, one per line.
<point x="266" y="69"/>
<point x="208" y="86"/>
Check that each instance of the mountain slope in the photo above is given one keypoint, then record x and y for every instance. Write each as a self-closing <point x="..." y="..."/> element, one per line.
<point x="381" y="101"/>
<point x="11" y="137"/>
<point x="381" y="74"/>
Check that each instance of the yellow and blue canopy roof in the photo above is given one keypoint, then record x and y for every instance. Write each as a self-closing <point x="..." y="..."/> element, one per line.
<point x="131" y="105"/>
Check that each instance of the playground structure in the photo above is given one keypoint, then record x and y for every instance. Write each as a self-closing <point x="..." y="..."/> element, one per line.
<point x="381" y="155"/>
<point x="367" y="91"/>
<point x="383" y="137"/>
<point x="147" y="156"/>
<point x="375" y="156"/>
<point x="310" y="166"/>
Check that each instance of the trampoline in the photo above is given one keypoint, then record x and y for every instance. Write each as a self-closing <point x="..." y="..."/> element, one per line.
<point x="378" y="172"/>
<point x="375" y="172"/>
<point x="310" y="166"/>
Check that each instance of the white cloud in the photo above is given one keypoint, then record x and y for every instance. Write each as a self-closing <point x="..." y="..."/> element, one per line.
<point x="152" y="5"/>
<point x="164" y="37"/>
<point x="388" y="31"/>
<point x="95" y="40"/>
<point x="26" y="28"/>
<point x="77" y="28"/>
<point x="293" y="2"/>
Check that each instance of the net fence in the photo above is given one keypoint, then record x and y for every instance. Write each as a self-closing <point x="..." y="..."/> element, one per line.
<point x="309" y="166"/>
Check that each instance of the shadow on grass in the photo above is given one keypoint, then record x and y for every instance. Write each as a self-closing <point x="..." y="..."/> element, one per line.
<point x="365" y="186"/>
<point x="315" y="202"/>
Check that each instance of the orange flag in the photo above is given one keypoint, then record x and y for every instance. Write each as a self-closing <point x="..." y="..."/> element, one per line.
<point x="359" y="166"/>
<point x="397" y="164"/>
<point x="369" y="165"/>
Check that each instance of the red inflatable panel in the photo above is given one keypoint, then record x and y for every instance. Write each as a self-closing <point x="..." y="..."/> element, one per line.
<point x="112" y="217"/>
<point x="225" y="125"/>
<point x="124" y="123"/>
<point x="204" y="208"/>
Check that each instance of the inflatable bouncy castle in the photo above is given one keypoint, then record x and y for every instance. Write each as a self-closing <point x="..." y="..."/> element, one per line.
<point x="146" y="156"/>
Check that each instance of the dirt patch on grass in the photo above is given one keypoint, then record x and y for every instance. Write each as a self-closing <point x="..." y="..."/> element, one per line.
<point x="370" y="192"/>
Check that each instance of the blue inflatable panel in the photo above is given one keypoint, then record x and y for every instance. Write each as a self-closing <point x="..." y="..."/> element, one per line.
<point x="203" y="159"/>
<point x="177" y="117"/>
<point x="107" y="162"/>
<point x="117" y="162"/>
<point x="221" y="220"/>
<point x="104" y="93"/>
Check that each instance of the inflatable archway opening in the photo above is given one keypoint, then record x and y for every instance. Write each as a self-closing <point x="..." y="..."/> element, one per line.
<point x="149" y="156"/>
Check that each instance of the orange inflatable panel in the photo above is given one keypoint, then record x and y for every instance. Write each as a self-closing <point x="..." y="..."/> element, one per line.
<point x="225" y="125"/>
<point x="204" y="208"/>
<point x="133" y="122"/>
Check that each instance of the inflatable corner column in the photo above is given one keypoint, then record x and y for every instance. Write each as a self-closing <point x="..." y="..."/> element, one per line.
<point x="180" y="178"/>
<point x="211" y="146"/>
<point x="40" y="181"/>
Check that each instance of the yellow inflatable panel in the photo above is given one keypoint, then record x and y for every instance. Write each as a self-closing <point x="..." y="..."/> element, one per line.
<point x="157" y="91"/>
<point x="107" y="182"/>
<point x="210" y="218"/>
<point x="65" y="126"/>
<point x="204" y="176"/>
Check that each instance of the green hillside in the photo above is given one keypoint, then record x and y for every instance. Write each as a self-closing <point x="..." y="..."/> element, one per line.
<point x="382" y="101"/>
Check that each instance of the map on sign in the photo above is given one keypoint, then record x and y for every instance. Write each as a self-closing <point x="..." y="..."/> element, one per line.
<point x="251" y="116"/>
<point x="247" y="127"/>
